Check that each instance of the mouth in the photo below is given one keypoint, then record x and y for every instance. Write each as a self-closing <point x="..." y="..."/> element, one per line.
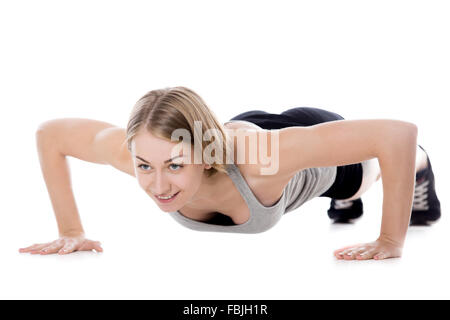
<point x="168" y="200"/>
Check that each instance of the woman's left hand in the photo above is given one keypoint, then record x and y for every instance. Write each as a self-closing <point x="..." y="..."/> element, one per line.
<point x="377" y="250"/>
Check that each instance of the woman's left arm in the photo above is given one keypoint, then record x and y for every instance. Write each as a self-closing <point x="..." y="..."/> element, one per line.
<point x="397" y="164"/>
<point x="342" y="142"/>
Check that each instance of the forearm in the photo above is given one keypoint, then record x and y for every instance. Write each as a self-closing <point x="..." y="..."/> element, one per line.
<point x="56" y="173"/>
<point x="397" y="163"/>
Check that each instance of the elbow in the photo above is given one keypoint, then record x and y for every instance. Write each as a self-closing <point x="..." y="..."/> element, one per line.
<point x="412" y="130"/>
<point x="412" y="127"/>
<point x="43" y="127"/>
<point x="405" y="130"/>
<point x="416" y="130"/>
<point x="409" y="137"/>
<point x="41" y="132"/>
<point x="44" y="131"/>
<point x="398" y="136"/>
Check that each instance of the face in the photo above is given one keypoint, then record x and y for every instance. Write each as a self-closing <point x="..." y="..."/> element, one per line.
<point x="158" y="175"/>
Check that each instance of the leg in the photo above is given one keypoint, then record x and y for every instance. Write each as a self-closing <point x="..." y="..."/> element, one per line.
<point x="348" y="178"/>
<point x="299" y="116"/>
<point x="248" y="114"/>
<point x="372" y="172"/>
<point x="351" y="208"/>
<point x="426" y="205"/>
<point x="421" y="159"/>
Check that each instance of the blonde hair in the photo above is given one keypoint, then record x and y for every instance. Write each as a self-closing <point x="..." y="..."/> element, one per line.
<point x="164" y="110"/>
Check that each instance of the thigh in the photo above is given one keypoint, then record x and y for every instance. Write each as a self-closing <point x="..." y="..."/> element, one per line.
<point x="299" y="116"/>
<point x="263" y="119"/>
<point x="249" y="114"/>
<point x="307" y="116"/>
<point x="370" y="174"/>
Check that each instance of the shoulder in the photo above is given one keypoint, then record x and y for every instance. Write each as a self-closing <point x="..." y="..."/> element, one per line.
<point x="236" y="124"/>
<point x="255" y="150"/>
<point x="266" y="187"/>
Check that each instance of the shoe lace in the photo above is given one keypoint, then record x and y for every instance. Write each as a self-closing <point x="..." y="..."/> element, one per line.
<point x="420" y="196"/>
<point x="342" y="204"/>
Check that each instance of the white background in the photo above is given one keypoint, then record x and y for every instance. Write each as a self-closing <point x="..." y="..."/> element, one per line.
<point x="95" y="59"/>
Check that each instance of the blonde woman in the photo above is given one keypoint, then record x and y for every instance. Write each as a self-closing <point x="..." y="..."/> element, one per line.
<point x="297" y="155"/>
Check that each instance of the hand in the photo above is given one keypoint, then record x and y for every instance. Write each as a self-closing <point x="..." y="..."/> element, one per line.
<point x="64" y="245"/>
<point x="378" y="250"/>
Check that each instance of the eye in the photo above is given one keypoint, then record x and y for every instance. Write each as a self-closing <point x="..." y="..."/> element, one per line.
<point x="140" y="166"/>
<point x="177" y="165"/>
<point x="176" y="168"/>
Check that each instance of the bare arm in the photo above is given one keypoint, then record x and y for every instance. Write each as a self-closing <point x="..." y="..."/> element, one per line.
<point x="85" y="139"/>
<point x="343" y="142"/>
<point x="397" y="164"/>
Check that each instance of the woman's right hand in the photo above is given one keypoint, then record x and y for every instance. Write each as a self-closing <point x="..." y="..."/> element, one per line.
<point x="64" y="245"/>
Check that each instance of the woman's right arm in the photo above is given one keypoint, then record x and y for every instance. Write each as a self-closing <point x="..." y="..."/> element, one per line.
<point x="85" y="139"/>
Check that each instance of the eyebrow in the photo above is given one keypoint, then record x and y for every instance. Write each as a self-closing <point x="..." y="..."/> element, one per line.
<point x="179" y="156"/>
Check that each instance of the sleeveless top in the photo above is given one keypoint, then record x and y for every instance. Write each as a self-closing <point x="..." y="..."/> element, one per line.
<point x="305" y="185"/>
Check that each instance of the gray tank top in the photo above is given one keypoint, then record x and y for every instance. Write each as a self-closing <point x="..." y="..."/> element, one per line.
<point x="305" y="185"/>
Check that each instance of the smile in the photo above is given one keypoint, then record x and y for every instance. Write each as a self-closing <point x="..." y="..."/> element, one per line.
<point x="167" y="199"/>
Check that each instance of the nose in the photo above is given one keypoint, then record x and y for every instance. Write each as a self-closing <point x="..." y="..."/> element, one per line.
<point x="160" y="185"/>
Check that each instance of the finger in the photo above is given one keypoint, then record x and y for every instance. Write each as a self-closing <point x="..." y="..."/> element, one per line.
<point x="26" y="249"/>
<point x="355" y="253"/>
<point x="347" y="252"/>
<point x="98" y="247"/>
<point x="68" y="248"/>
<point x="345" y="248"/>
<point x="38" y="248"/>
<point x="350" y="255"/>
<point x="91" y="245"/>
<point x="361" y="249"/>
<point x="381" y="255"/>
<point x="342" y="252"/>
<point x="365" y="255"/>
<point x="53" y="248"/>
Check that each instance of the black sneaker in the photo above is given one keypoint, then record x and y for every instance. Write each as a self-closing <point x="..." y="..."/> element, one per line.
<point x="426" y="206"/>
<point x="343" y="211"/>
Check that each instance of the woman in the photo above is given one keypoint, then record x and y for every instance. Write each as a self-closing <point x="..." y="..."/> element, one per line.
<point x="313" y="153"/>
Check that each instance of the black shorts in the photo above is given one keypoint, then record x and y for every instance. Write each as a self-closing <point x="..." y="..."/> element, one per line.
<point x="348" y="177"/>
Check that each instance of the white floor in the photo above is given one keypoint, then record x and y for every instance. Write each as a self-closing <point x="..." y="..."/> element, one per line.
<point x="147" y="255"/>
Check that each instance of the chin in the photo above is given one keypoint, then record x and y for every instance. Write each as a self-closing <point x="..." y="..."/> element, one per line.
<point x="168" y="208"/>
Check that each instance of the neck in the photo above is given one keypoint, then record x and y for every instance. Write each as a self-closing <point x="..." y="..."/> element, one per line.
<point x="212" y="193"/>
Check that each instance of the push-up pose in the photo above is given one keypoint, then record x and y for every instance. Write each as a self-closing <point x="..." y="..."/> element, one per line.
<point x="242" y="176"/>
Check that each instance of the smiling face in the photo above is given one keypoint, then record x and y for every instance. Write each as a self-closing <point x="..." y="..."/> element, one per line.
<point x="160" y="174"/>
